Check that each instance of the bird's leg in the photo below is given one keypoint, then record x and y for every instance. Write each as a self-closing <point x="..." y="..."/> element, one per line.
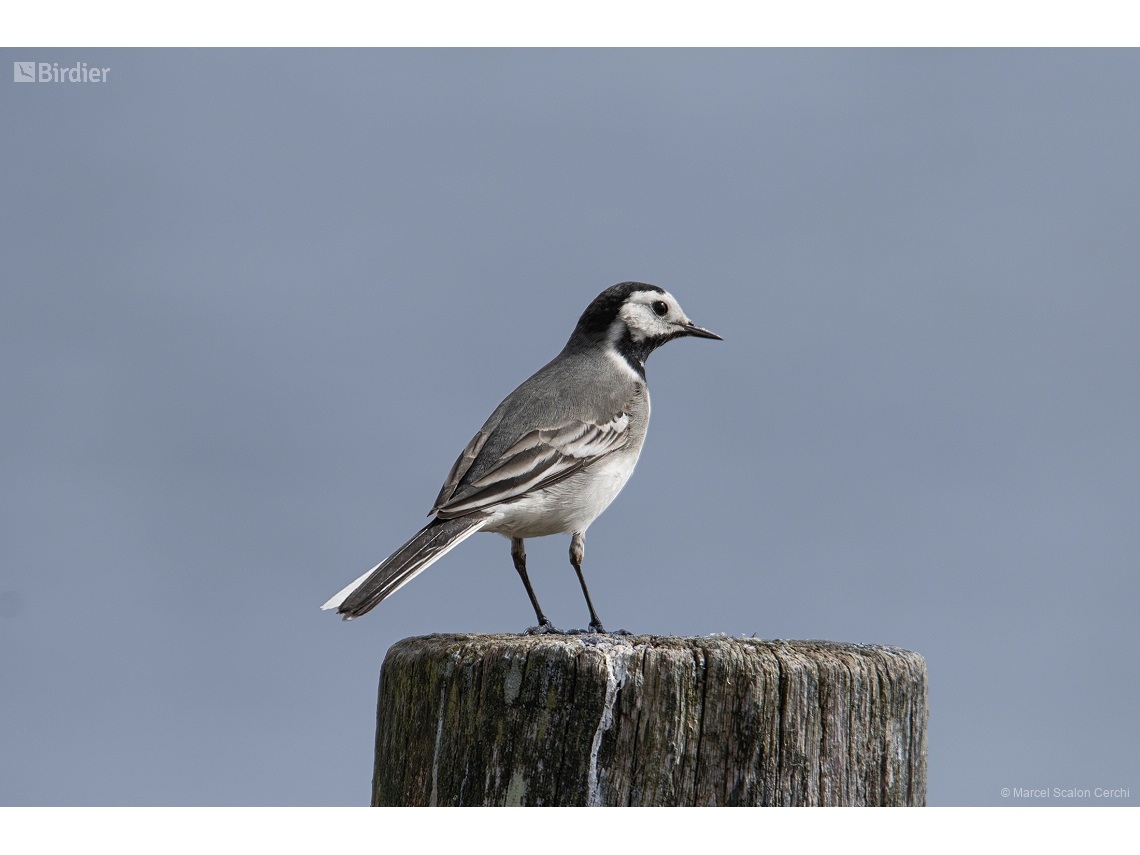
<point x="577" y="553"/>
<point x="518" y="555"/>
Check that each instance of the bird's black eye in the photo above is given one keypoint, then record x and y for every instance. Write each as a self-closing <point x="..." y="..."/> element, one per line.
<point x="661" y="308"/>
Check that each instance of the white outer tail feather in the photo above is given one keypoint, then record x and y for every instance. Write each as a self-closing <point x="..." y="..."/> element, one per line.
<point x="346" y="592"/>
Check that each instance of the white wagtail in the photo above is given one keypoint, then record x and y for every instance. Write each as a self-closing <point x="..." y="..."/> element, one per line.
<point x="554" y="453"/>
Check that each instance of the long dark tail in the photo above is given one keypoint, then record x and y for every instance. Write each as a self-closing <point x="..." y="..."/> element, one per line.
<point x="432" y="542"/>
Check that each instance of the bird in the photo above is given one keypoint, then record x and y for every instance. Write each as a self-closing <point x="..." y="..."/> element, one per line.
<point x="553" y="454"/>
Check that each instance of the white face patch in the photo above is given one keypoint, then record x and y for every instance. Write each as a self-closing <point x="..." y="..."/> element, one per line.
<point x="642" y="320"/>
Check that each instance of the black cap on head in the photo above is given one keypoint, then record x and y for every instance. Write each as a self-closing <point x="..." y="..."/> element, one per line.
<point x="599" y="315"/>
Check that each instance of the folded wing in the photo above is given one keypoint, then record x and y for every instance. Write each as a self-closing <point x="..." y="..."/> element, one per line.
<point x="540" y="458"/>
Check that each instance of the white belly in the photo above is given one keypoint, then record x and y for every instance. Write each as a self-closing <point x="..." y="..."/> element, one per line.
<point x="568" y="506"/>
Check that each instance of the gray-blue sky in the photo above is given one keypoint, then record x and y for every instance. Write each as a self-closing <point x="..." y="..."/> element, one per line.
<point x="255" y="302"/>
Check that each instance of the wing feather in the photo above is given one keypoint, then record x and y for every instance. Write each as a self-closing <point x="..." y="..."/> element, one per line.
<point x="539" y="458"/>
<point x="462" y="464"/>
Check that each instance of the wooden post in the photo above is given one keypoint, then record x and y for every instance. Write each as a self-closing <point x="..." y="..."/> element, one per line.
<point x="647" y="720"/>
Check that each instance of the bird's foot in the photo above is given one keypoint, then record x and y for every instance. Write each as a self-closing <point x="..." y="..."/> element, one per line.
<point x="544" y="628"/>
<point x="597" y="629"/>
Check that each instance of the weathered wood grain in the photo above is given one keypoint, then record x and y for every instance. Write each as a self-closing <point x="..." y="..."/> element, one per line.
<point x="647" y="720"/>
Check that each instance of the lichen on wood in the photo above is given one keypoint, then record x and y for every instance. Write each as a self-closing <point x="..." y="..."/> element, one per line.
<point x="648" y="720"/>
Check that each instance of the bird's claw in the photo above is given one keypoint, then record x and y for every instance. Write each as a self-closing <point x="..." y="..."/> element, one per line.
<point x="597" y="629"/>
<point x="544" y="628"/>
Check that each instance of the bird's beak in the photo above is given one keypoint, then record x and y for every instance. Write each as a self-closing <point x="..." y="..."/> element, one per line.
<point x="700" y="332"/>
